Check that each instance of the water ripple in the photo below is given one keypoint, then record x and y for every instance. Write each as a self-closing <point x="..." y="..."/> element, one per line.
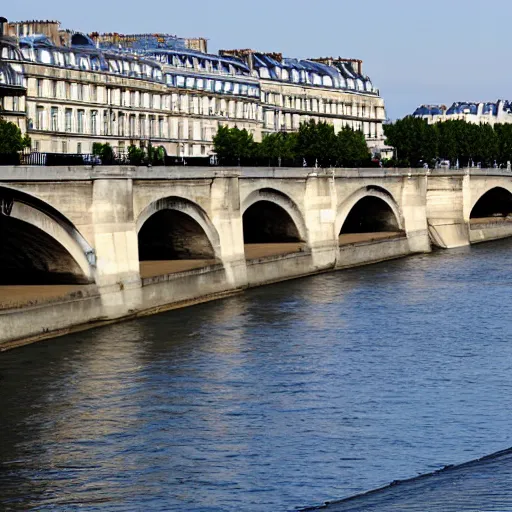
<point x="286" y="396"/>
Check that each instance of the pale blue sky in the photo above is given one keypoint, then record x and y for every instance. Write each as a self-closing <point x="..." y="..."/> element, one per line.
<point x="437" y="51"/>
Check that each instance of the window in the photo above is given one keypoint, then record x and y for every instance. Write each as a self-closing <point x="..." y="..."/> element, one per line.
<point x="39" y="88"/>
<point x="55" y="119"/>
<point x="121" y="125"/>
<point x="68" y="90"/>
<point x="132" y="126"/>
<point x="40" y="118"/>
<point x="79" y="148"/>
<point x="80" y="92"/>
<point x="105" y="122"/>
<point x="54" y="89"/>
<point x="68" y="119"/>
<point x="151" y="127"/>
<point x="161" y="127"/>
<point x="94" y="122"/>
<point x="64" y="146"/>
<point x="132" y="99"/>
<point x="80" y="121"/>
<point x="94" y="92"/>
<point x="142" y="127"/>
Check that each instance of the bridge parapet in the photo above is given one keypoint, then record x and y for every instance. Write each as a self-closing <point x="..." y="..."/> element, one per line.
<point x="71" y="173"/>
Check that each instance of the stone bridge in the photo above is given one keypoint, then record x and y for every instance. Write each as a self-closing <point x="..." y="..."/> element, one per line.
<point x="88" y="245"/>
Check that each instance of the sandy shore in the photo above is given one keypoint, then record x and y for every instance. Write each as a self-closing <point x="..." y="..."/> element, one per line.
<point x="354" y="238"/>
<point x="24" y="295"/>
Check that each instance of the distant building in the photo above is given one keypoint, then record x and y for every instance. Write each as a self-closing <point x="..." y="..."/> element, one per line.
<point x="478" y="113"/>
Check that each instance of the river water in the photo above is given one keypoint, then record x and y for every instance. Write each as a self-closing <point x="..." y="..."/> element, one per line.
<point x="282" y="397"/>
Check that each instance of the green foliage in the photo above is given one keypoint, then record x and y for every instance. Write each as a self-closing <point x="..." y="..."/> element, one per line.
<point x="11" y="139"/>
<point x="135" y="155"/>
<point x="352" y="150"/>
<point x="104" y="151"/>
<point x="316" y="143"/>
<point x="232" y="144"/>
<point x="278" y="145"/>
<point x="416" y="141"/>
<point x="153" y="156"/>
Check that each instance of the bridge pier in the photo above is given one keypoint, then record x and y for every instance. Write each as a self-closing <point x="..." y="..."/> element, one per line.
<point x="320" y="202"/>
<point x="227" y="218"/>
<point x="117" y="273"/>
<point x="447" y="225"/>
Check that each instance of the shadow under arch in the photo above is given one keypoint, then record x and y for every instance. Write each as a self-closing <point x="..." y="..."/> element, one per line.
<point x="278" y="217"/>
<point x="174" y="228"/>
<point x="370" y="209"/>
<point x="496" y="202"/>
<point x="39" y="244"/>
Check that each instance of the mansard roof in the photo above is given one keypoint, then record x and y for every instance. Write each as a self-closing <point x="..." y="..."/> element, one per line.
<point x="339" y="75"/>
<point x="465" y="107"/>
<point x="11" y="73"/>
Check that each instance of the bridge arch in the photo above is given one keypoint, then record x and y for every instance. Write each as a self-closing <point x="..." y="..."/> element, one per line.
<point x="372" y="208"/>
<point x="271" y="216"/>
<point x="495" y="202"/>
<point x="176" y="228"/>
<point x="39" y="244"/>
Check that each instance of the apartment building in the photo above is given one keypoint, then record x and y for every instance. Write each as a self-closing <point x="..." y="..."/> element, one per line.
<point x="68" y="94"/>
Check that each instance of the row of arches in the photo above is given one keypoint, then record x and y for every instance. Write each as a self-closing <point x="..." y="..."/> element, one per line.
<point x="40" y="246"/>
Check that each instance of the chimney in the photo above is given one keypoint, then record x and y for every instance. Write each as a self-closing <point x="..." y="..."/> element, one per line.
<point x="2" y="21"/>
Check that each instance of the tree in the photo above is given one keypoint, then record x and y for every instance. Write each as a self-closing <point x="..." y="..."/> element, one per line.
<point x="280" y="145"/>
<point x="135" y="155"/>
<point x="232" y="145"/>
<point x="317" y="143"/>
<point x="11" y="139"/>
<point x="414" y="139"/>
<point x="104" y="151"/>
<point x="351" y="148"/>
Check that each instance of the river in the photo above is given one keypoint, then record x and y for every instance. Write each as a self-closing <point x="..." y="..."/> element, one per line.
<point x="285" y="396"/>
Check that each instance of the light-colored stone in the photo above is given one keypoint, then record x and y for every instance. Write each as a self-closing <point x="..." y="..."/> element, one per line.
<point x="96" y="215"/>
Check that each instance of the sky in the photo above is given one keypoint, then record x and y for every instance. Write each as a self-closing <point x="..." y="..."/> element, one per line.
<point x="415" y="52"/>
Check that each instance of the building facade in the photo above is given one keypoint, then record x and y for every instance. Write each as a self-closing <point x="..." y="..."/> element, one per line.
<point x="478" y="113"/>
<point x="326" y="89"/>
<point x="71" y="92"/>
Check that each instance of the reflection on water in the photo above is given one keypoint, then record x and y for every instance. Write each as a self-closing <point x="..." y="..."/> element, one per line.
<point x="286" y="396"/>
